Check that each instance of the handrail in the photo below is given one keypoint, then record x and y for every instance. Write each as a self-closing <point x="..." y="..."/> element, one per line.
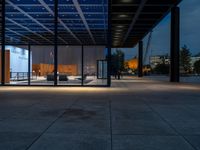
<point x="20" y="76"/>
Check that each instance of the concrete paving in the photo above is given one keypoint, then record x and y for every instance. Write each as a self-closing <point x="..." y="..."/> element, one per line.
<point x="134" y="114"/>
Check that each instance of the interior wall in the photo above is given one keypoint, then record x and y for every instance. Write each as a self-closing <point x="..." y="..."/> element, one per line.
<point x="18" y="59"/>
<point x="45" y="69"/>
<point x="7" y="66"/>
<point x="67" y="55"/>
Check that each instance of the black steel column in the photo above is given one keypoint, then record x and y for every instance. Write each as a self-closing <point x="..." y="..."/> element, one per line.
<point x="109" y="44"/>
<point x="175" y="44"/>
<point x="55" y="41"/>
<point x="3" y="44"/>
<point x="140" y="59"/>
<point x="29" y="64"/>
<point x="82" y="65"/>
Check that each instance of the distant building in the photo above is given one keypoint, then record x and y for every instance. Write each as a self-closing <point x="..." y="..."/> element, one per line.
<point x="194" y="59"/>
<point x="132" y="63"/>
<point x="159" y="59"/>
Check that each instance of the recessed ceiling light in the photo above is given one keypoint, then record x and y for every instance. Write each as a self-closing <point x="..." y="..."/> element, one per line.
<point x="117" y="33"/>
<point x="119" y="26"/>
<point x="123" y="16"/>
<point x="126" y="1"/>
<point x="118" y="30"/>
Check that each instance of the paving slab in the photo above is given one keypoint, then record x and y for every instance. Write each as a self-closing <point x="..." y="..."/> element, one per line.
<point x="16" y="140"/>
<point x="72" y="142"/>
<point x="145" y="142"/>
<point x="80" y="127"/>
<point x="142" y="126"/>
<point x="23" y="125"/>
<point x="194" y="140"/>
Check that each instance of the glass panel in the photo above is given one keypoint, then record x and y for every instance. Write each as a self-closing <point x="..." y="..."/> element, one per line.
<point x="0" y="65"/>
<point x="92" y="54"/>
<point x="102" y="69"/>
<point x="69" y="65"/>
<point x="0" y="40"/>
<point x="16" y="65"/>
<point x="42" y="65"/>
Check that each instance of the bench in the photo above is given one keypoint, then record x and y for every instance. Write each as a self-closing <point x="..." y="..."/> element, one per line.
<point x="50" y="77"/>
<point x="63" y="77"/>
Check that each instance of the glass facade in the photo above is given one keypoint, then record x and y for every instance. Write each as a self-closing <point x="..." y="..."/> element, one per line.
<point x="68" y="42"/>
<point x="55" y="42"/>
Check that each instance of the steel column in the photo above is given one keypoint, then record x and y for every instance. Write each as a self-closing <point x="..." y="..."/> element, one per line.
<point x="175" y="44"/>
<point x="109" y="44"/>
<point x="29" y="64"/>
<point x="140" y="59"/>
<point x="55" y="41"/>
<point x="82" y="65"/>
<point x="3" y="44"/>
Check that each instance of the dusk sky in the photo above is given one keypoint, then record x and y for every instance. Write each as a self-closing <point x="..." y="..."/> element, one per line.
<point x="190" y="31"/>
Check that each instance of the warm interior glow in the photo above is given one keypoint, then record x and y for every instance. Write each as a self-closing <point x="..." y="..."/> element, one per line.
<point x="66" y="90"/>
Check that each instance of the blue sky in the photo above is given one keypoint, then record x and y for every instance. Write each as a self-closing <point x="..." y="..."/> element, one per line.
<point x="190" y="31"/>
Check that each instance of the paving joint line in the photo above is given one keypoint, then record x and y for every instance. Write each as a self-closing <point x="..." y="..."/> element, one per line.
<point x="111" y="137"/>
<point x="170" y="125"/>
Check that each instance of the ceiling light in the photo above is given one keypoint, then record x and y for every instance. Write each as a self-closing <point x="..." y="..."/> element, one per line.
<point x="126" y="1"/>
<point x="119" y="26"/>
<point x="123" y="16"/>
<point x="117" y="33"/>
<point x="119" y="30"/>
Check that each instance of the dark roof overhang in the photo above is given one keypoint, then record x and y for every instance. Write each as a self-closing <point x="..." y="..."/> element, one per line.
<point x="132" y="20"/>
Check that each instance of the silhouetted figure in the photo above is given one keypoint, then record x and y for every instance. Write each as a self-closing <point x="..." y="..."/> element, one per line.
<point x="118" y="75"/>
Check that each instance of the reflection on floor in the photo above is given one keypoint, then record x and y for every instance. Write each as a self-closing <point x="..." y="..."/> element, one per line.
<point x="183" y="79"/>
<point x="72" y="80"/>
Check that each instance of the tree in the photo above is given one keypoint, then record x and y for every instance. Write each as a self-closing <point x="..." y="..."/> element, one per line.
<point x="161" y="69"/>
<point x="117" y="62"/>
<point x="126" y="66"/>
<point x="185" y="59"/>
<point x="197" y="66"/>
